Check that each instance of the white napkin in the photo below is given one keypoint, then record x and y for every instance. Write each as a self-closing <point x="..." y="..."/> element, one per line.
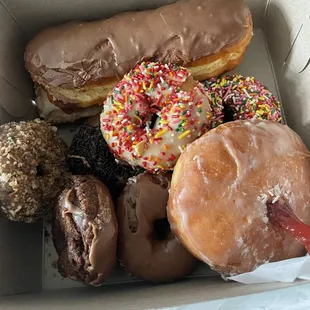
<point x="283" y="271"/>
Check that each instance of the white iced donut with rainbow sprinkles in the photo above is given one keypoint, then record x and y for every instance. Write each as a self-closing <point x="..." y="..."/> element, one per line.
<point x="153" y="113"/>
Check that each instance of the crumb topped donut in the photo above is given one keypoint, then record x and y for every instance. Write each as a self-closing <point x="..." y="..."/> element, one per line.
<point x="220" y="189"/>
<point x="236" y="97"/>
<point x="32" y="168"/>
<point x="153" y="113"/>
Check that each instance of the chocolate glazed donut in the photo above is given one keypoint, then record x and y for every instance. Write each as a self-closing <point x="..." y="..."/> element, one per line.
<point x="85" y="231"/>
<point x="147" y="248"/>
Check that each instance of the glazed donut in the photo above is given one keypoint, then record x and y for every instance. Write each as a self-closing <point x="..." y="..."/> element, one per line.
<point x="79" y="63"/>
<point x="85" y="231"/>
<point x="153" y="113"/>
<point x="89" y="155"/>
<point x="32" y="169"/>
<point x="235" y="97"/>
<point x="220" y="188"/>
<point x="146" y="247"/>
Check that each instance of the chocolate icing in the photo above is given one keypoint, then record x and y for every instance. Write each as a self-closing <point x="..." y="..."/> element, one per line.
<point x="153" y="255"/>
<point x="70" y="55"/>
<point x="85" y="231"/>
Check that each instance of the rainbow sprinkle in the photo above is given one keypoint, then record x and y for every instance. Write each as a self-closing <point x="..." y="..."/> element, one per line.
<point x="243" y="98"/>
<point x="148" y="119"/>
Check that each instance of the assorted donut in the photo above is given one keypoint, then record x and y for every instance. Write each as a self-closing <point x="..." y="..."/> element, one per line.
<point x="153" y="113"/>
<point x="221" y="187"/>
<point x="147" y="248"/>
<point x="181" y="164"/>
<point x="236" y="97"/>
<point x="32" y="169"/>
<point x="85" y="230"/>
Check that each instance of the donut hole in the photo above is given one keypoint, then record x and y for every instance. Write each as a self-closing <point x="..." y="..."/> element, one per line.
<point x="161" y="229"/>
<point x="228" y="114"/>
<point x="153" y="120"/>
<point x="40" y="171"/>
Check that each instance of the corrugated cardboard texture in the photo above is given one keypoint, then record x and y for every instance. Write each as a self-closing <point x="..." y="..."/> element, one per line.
<point x="287" y="28"/>
<point x="34" y="15"/>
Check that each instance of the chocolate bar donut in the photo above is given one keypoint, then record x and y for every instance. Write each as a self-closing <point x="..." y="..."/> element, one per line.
<point x="80" y="62"/>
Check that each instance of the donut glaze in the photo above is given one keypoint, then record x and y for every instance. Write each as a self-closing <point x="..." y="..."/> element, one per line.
<point x="220" y="187"/>
<point x="153" y="113"/>
<point x="146" y="247"/>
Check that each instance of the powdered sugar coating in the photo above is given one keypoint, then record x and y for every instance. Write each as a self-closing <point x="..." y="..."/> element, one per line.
<point x="225" y="222"/>
<point x="179" y="104"/>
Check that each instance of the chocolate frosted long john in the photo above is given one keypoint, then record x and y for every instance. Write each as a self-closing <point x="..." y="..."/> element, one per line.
<point x="74" y="54"/>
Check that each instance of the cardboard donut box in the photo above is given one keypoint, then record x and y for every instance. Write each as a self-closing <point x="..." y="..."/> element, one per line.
<point x="278" y="56"/>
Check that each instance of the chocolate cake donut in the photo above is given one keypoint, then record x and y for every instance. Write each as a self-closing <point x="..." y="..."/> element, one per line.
<point x="147" y="248"/>
<point x="85" y="231"/>
<point x="89" y="154"/>
<point x="32" y="169"/>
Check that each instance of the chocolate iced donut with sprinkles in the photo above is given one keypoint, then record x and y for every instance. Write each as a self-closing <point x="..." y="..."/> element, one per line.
<point x="236" y="97"/>
<point x="153" y="114"/>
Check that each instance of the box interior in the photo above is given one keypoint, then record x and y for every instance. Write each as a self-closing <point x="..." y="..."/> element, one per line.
<point x="278" y="56"/>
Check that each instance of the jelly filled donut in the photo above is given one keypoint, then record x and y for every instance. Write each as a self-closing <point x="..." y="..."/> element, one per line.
<point x="32" y="169"/>
<point x="220" y="189"/>
<point x="239" y="98"/>
<point x="153" y="113"/>
<point x="147" y="248"/>
<point x="85" y="231"/>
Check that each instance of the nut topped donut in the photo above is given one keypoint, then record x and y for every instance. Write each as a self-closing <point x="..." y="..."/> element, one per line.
<point x="153" y="113"/>
<point x="32" y="169"/>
